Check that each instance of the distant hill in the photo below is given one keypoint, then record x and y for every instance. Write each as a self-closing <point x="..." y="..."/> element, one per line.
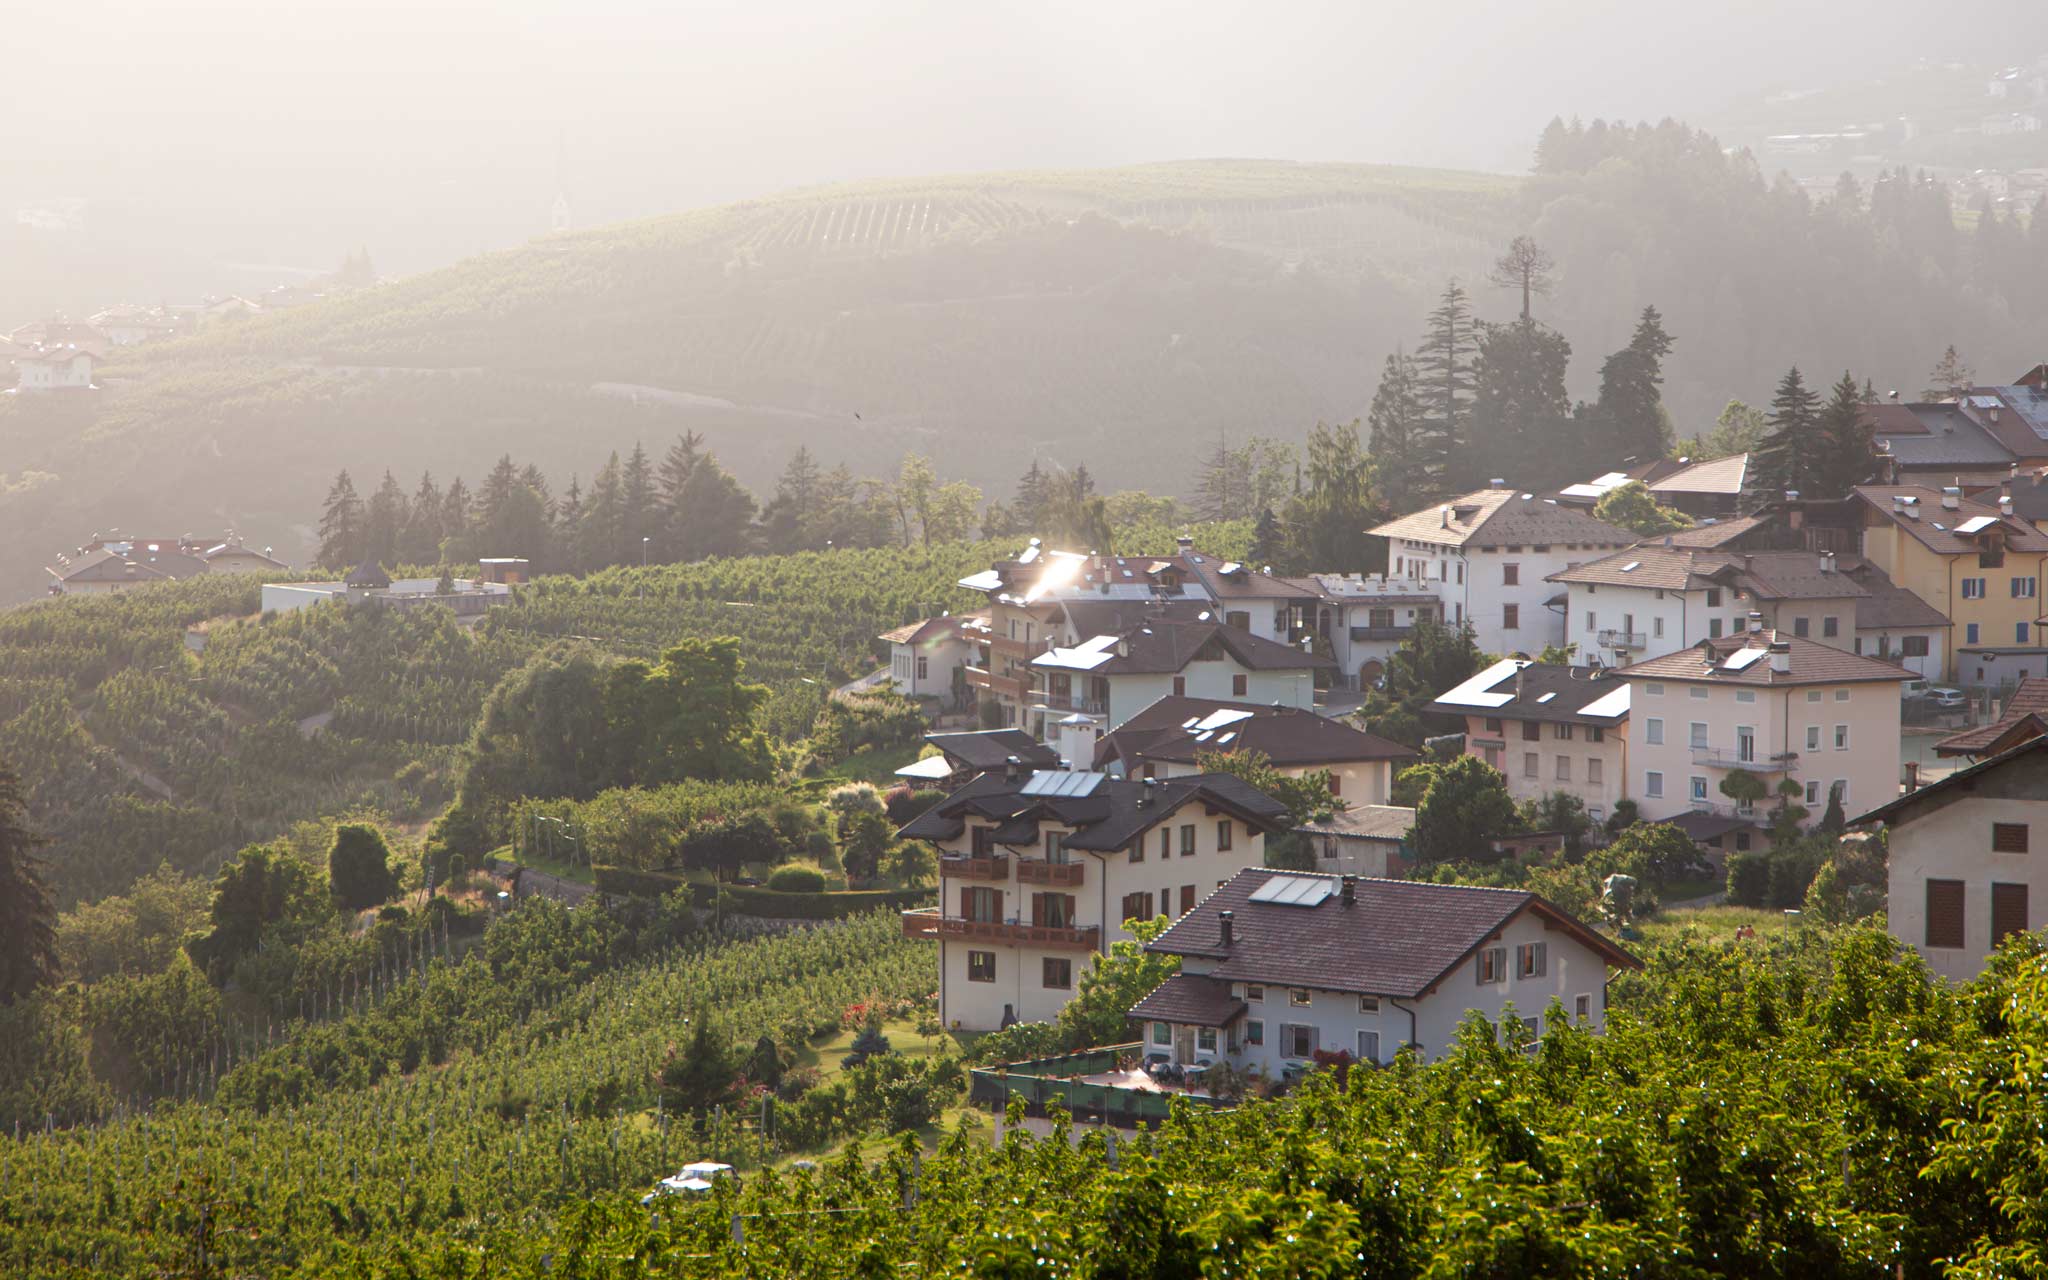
<point x="1119" y="318"/>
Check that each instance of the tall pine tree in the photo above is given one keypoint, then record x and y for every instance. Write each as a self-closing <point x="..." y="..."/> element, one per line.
<point x="341" y="525"/>
<point x="1846" y="456"/>
<point x="1520" y="408"/>
<point x="1631" y="405"/>
<point x="421" y="541"/>
<point x="1400" y="474"/>
<point x="642" y="511"/>
<point x="1444" y="365"/>
<point x="1785" y="459"/>
<point x="384" y="519"/>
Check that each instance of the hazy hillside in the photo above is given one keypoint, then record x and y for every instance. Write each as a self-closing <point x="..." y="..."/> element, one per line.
<point x="1111" y="317"/>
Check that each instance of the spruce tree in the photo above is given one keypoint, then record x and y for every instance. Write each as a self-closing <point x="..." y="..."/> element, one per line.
<point x="456" y="510"/>
<point x="717" y="514"/>
<point x="1444" y="364"/>
<point x="1520" y="409"/>
<point x="1394" y="420"/>
<point x="1219" y="489"/>
<point x="1631" y="406"/>
<point x="1951" y="378"/>
<point x="384" y="520"/>
<point x="1785" y="459"/>
<point x="421" y="541"/>
<point x="531" y="477"/>
<point x="1846" y="457"/>
<point x="642" y="514"/>
<point x="601" y="538"/>
<point x="341" y="525"/>
<point x="671" y="478"/>
<point x="1034" y="497"/>
<point x="568" y="521"/>
<point x="28" y="918"/>
<point x="498" y="487"/>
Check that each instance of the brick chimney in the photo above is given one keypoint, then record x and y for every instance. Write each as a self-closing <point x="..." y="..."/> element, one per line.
<point x="1226" y="921"/>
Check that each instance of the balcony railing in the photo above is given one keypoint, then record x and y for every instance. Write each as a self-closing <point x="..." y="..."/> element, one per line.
<point x="1026" y="649"/>
<point x="1055" y="701"/>
<point x="928" y="923"/>
<point x="1001" y="686"/>
<point x="1722" y="758"/>
<point x="1381" y="633"/>
<point x="965" y="866"/>
<point x="1039" y="871"/>
<point x="1623" y="640"/>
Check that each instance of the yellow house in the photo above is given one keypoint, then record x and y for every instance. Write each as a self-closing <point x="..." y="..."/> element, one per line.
<point x="1980" y="565"/>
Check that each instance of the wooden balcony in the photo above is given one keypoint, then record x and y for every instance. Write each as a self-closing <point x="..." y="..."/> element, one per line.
<point x="1069" y="700"/>
<point x="927" y="923"/>
<point x="1025" y="649"/>
<point x="1011" y="687"/>
<point x="966" y="866"/>
<point x="1039" y="871"/>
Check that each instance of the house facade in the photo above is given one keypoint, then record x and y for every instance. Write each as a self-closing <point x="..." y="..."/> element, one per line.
<point x="1277" y="967"/>
<point x="54" y="369"/>
<point x="1768" y="704"/>
<point x="1365" y="617"/>
<point x="1656" y="597"/>
<point x="1040" y="870"/>
<point x="1546" y="728"/>
<point x="928" y="659"/>
<point x="1169" y="738"/>
<point x="1490" y="554"/>
<point x="1964" y="864"/>
<point x="1977" y="564"/>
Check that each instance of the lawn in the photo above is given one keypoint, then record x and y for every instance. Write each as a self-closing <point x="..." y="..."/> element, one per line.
<point x="1715" y="924"/>
<point x="876" y="764"/>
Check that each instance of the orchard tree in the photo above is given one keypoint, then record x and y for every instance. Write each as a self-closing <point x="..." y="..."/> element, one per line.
<point x="359" y="867"/>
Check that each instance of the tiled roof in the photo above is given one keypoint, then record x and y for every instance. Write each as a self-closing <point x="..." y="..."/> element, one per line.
<point x="1107" y="817"/>
<point x="1366" y="822"/>
<point x="108" y="566"/>
<point x="1504" y="517"/>
<point x="1936" y="525"/>
<point x="1962" y="780"/>
<point x="992" y="748"/>
<point x="1893" y="420"/>
<point x="1399" y="938"/>
<point x="1947" y="438"/>
<point x="1190" y="999"/>
<point x="930" y="630"/>
<point x="1770" y="575"/>
<point x="1177" y="729"/>
<point x="2030" y="698"/>
<point x="1812" y="663"/>
<point x="1717" y="476"/>
<point x="1887" y="606"/>
<point x="1717" y="533"/>
<point x="1545" y="691"/>
<point x="1162" y="645"/>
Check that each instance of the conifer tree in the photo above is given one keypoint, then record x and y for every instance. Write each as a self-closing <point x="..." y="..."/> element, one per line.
<point x="1785" y="459"/>
<point x="341" y="524"/>
<point x="600" y="539"/>
<point x="1219" y="489"/>
<point x="455" y="510"/>
<point x="1951" y="378"/>
<point x="717" y="514"/>
<point x="1843" y="434"/>
<point x="1400" y="474"/>
<point x="498" y="487"/>
<point x="1520" y="406"/>
<point x="1444" y="365"/>
<point x="568" y="523"/>
<point x="671" y="478"/>
<point x="28" y="918"/>
<point x="421" y="541"/>
<point x="1326" y="524"/>
<point x="642" y="511"/>
<point x="532" y="477"/>
<point x="1631" y="406"/>
<point x="1034" y="497"/>
<point x="384" y="520"/>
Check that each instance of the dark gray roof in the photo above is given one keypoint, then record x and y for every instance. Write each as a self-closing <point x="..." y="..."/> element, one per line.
<point x="1113" y="813"/>
<point x="1959" y="783"/>
<point x="1286" y="736"/>
<point x="1190" y="999"/>
<point x="369" y="574"/>
<point x="1571" y="688"/>
<point x="1885" y="605"/>
<point x="1950" y="439"/>
<point x="1161" y="646"/>
<point x="1400" y="938"/>
<point x="1702" y="827"/>
<point x="992" y="749"/>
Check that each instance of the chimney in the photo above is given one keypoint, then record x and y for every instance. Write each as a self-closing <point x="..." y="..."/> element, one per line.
<point x="1347" y="891"/>
<point x="1012" y="766"/>
<point x="1443" y="517"/>
<point x="1496" y="483"/>
<point x="1827" y="562"/>
<point x="1145" y="794"/>
<point x="1186" y="542"/>
<point x="2005" y="504"/>
<point x="1226" y="921"/>
<point x="1994" y="412"/>
<point x="1791" y="495"/>
<point x="1898" y="502"/>
<point x="1912" y="775"/>
<point x="1518" y="684"/>
<point x="1951" y="498"/>
<point x="1781" y="657"/>
<point x="1756" y="623"/>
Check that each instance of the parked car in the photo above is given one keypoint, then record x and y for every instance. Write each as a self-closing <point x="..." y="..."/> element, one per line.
<point x="1948" y="699"/>
<point x="1912" y="689"/>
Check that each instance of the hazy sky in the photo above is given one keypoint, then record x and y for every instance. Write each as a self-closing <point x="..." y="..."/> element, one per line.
<point x="289" y="130"/>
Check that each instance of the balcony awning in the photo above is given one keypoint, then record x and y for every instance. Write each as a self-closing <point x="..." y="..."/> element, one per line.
<point x="929" y="769"/>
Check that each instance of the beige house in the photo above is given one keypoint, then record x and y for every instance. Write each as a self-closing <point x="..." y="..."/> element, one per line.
<point x="1769" y="704"/>
<point x="1963" y="873"/>
<point x="1548" y="728"/>
<point x="1039" y="871"/>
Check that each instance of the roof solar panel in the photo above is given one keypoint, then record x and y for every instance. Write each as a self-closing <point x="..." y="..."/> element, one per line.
<point x="1057" y="782"/>
<point x="1742" y="658"/>
<point x="1294" y="891"/>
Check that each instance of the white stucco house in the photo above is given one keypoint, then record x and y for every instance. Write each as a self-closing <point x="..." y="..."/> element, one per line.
<point x="1962" y="871"/>
<point x="1278" y="966"/>
<point x="54" y="369"/>
<point x="927" y="658"/>
<point x="1040" y="869"/>
<point x="1548" y="727"/>
<point x="1491" y="553"/>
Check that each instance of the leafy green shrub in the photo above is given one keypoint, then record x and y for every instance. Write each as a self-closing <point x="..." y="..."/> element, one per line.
<point x="855" y="797"/>
<point x="1749" y="879"/>
<point x="359" y="867"/>
<point x="797" y="880"/>
<point x="903" y="804"/>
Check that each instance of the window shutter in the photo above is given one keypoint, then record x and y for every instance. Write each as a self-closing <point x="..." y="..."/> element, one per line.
<point x="1038" y="909"/>
<point x="1945" y="913"/>
<point x="966" y="903"/>
<point x="2008" y="837"/>
<point x="2008" y="911"/>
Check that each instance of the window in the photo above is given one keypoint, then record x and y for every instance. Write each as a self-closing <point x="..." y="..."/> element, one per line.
<point x="1698" y="732"/>
<point x="1714" y="628"/>
<point x="1053" y="910"/>
<point x="1841" y="737"/>
<point x="1187" y="840"/>
<point x="1699" y="787"/>
<point x="1511" y="575"/>
<point x="1653" y="690"/>
<point x="1745" y="695"/>
<point x="1532" y="731"/>
<point x="1532" y="765"/>
<point x="1530" y="960"/>
<point x="1510" y="617"/>
<point x="1205" y="1039"/>
<point x="1255" y="1031"/>
<point x="1697" y="692"/>
<point x="1237" y="685"/>
<point x="1297" y="1041"/>
<point x="1970" y="633"/>
<point x="1592" y="622"/>
<point x="1299" y="997"/>
<point x="1562" y="732"/>
<point x="1166" y="842"/>
<point x="1657" y="625"/>
<point x="1161" y="1033"/>
<point x="1973" y="588"/>
<point x="1713" y="597"/>
<point x="1238" y="619"/>
<point x="1223" y="830"/>
<point x="2008" y="911"/>
<point x="1839" y="793"/>
<point x="1369" y="1047"/>
<point x="2008" y="837"/>
<point x="1056" y="847"/>
<point x="1653" y="731"/>
<point x="1582" y="1007"/>
<point x="1137" y="906"/>
<point x="1187" y="898"/>
<point x="1812" y="792"/>
<point x="1800" y="626"/>
<point x="1813" y="737"/>
<point x="1596" y="733"/>
<point x="1180" y="686"/>
<point x="1336" y="783"/>
<point x="1593" y="770"/>
<point x="1461" y="574"/>
<point x="1254" y="992"/>
<point x="924" y="668"/>
<point x="1653" y="785"/>
<point x="1166" y="902"/>
<point x="1945" y="913"/>
<point x="1492" y="966"/>
<point x="1138" y="849"/>
<point x="1368" y="1004"/>
<point x="1564" y="768"/>
<point x="1058" y="974"/>
<point x="2023" y="588"/>
<point x="1830" y="627"/>
<point x="2019" y="630"/>
<point x="984" y="841"/>
<point x="1745" y="743"/>
<point x="982" y="904"/>
<point x="981" y="966"/>
<point x="1742" y="842"/>
<point x="1841" y="695"/>
<point x="1493" y="724"/>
